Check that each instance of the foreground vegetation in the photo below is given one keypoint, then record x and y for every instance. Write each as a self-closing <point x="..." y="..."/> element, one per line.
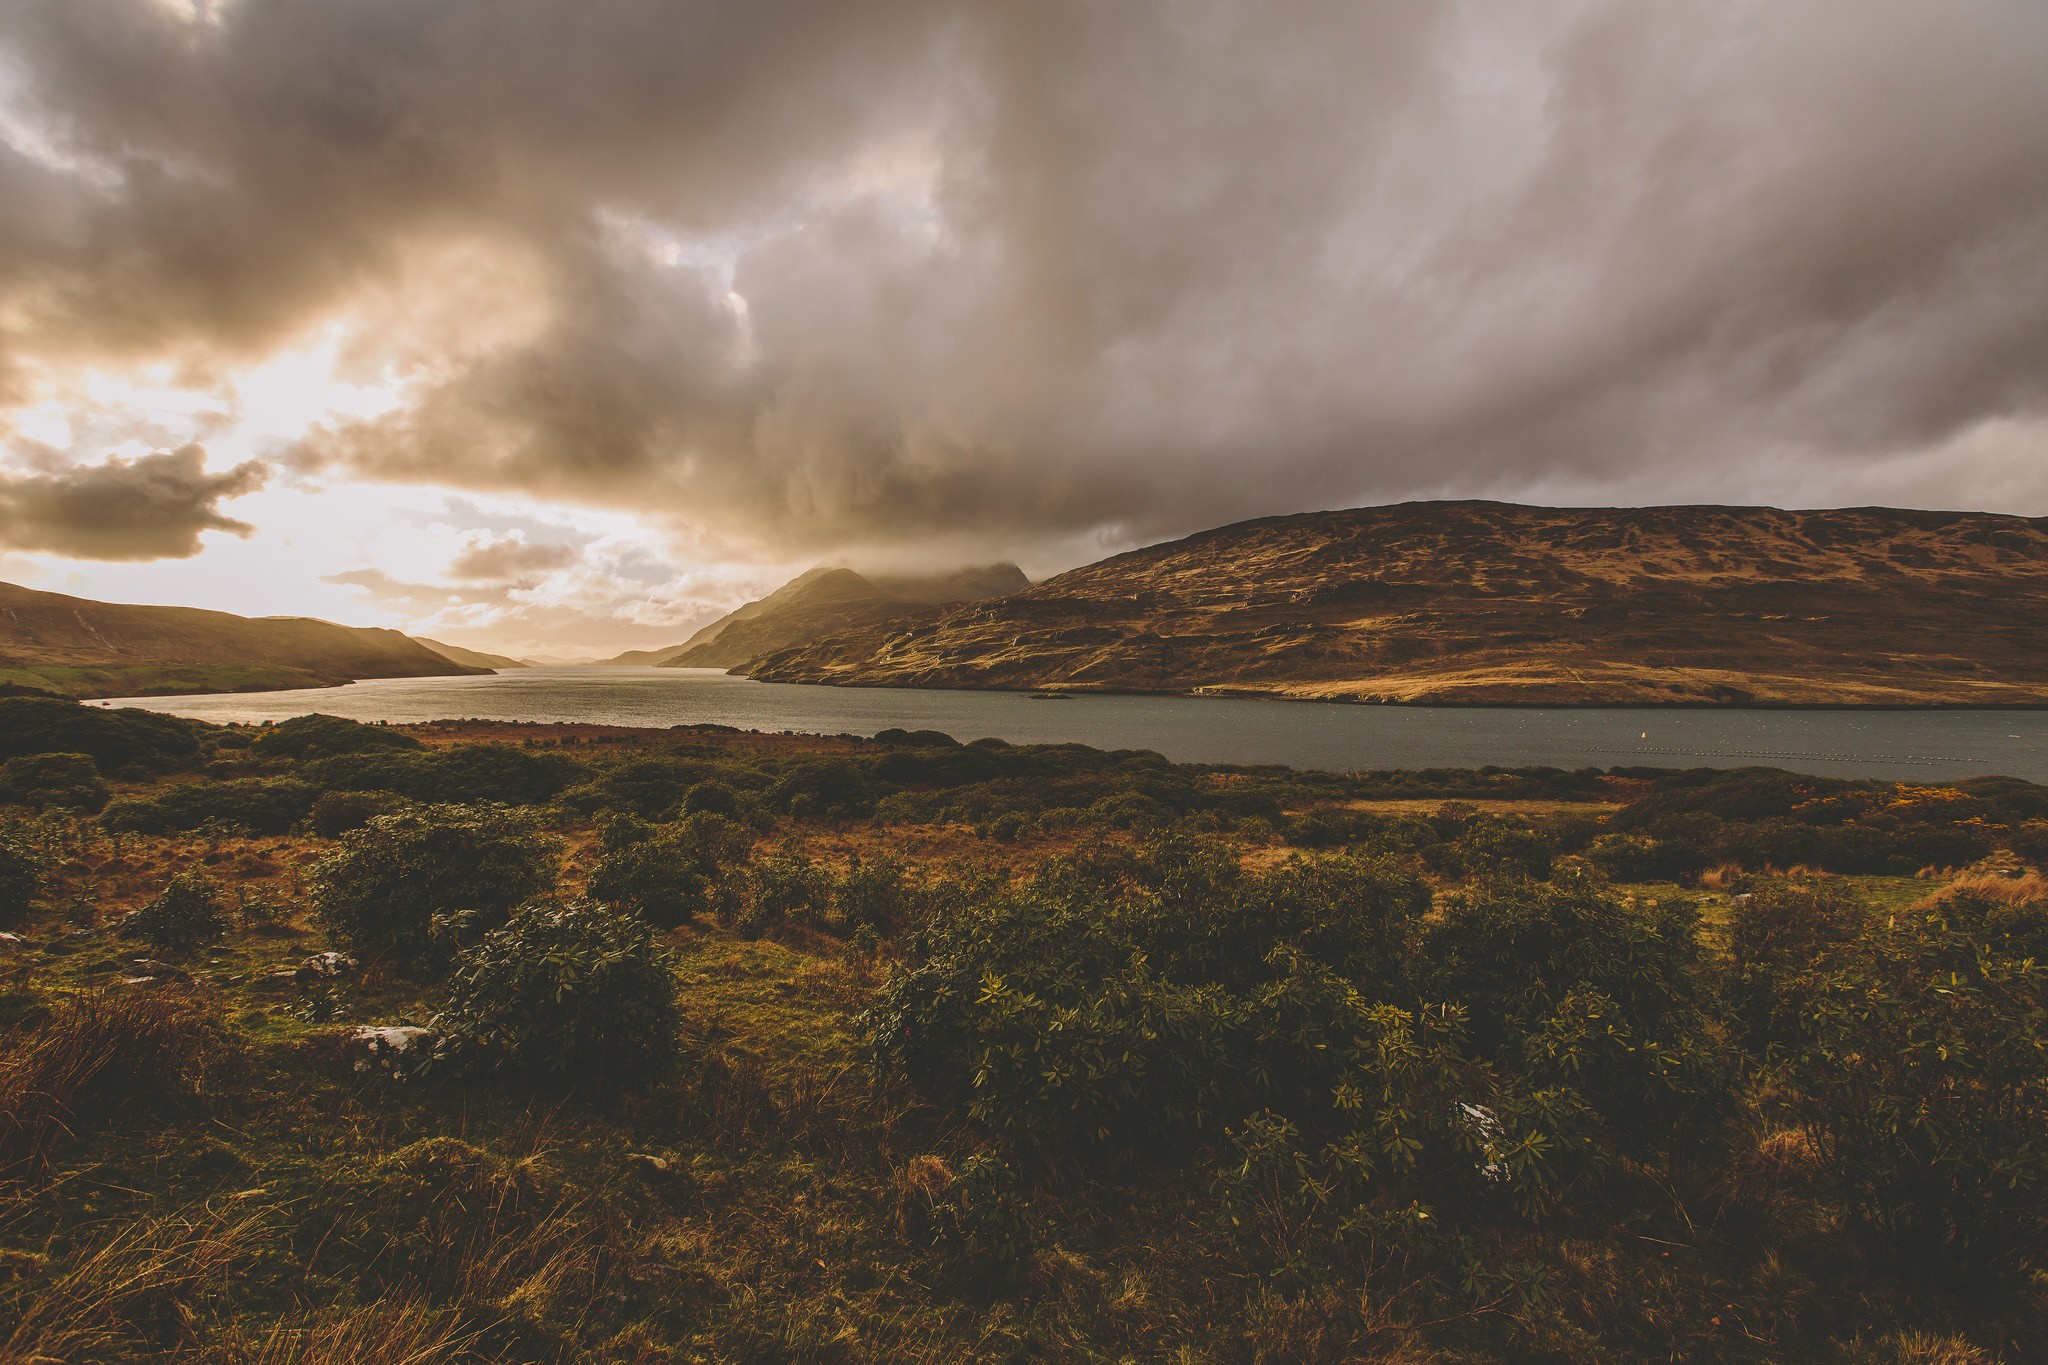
<point x="463" y="1042"/>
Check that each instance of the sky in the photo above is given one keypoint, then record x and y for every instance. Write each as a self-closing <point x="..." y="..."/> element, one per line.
<point x="559" y="329"/>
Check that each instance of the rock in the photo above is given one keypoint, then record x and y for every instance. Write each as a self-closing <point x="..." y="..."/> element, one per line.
<point x="325" y="967"/>
<point x="147" y="971"/>
<point x="400" y="1051"/>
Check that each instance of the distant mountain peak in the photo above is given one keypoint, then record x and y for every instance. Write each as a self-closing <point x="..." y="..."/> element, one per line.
<point x="827" y="598"/>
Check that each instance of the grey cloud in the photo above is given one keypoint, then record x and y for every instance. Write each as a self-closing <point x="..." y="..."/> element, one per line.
<point x="1036" y="273"/>
<point x="509" y="558"/>
<point x="151" y="507"/>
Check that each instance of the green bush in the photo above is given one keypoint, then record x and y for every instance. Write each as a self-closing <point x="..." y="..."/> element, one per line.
<point x="186" y="914"/>
<point x="306" y="738"/>
<point x="260" y="805"/>
<point x="53" y="781"/>
<point x="1922" y="1075"/>
<point x="572" y="993"/>
<point x="666" y="874"/>
<point x="1131" y="1002"/>
<point x="830" y="787"/>
<point x="1779" y="937"/>
<point x="1585" y="991"/>
<point x="463" y="773"/>
<point x="785" y="886"/>
<point x="120" y="740"/>
<point x="334" y="814"/>
<point x="712" y="798"/>
<point x="418" y="884"/>
<point x="872" y="894"/>
<point x="24" y="872"/>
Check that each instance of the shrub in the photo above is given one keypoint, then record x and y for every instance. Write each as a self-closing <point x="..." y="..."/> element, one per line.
<point x="711" y="798"/>
<point x="24" y="872"/>
<point x="1138" y="1002"/>
<point x="415" y="885"/>
<point x="500" y="772"/>
<point x="872" y="895"/>
<point x="334" y="814"/>
<point x="827" y="787"/>
<point x="1922" y="1079"/>
<point x="316" y="736"/>
<point x="783" y="886"/>
<point x="120" y="740"/>
<point x="1781" y="935"/>
<point x="464" y="773"/>
<point x="652" y="788"/>
<point x="571" y="992"/>
<point x="260" y="805"/>
<point x="53" y="781"/>
<point x="1504" y="844"/>
<point x="667" y="874"/>
<point x="1592" y="994"/>
<point x="186" y="914"/>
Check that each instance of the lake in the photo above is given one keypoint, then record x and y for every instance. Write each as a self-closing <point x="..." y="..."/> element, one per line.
<point x="1906" y="745"/>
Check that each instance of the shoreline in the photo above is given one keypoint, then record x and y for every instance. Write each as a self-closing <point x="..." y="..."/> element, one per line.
<point x="1064" y="692"/>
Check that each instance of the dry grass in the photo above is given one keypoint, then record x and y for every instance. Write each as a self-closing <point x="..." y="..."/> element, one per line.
<point x="1992" y="886"/>
<point x="96" y="1053"/>
<point x="921" y="1183"/>
<point x="389" y="1333"/>
<point x="1722" y="878"/>
<point x="135" y="1291"/>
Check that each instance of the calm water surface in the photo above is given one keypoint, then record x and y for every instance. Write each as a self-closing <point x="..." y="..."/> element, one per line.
<point x="1922" y="745"/>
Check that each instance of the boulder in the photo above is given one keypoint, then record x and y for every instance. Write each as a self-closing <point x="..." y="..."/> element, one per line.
<point x="400" y="1051"/>
<point x="324" y="967"/>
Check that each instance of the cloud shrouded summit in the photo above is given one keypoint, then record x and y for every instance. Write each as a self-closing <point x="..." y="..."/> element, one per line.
<point x="827" y="275"/>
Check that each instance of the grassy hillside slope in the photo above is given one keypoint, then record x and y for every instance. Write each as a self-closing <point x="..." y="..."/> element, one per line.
<point x="1490" y="603"/>
<point x="474" y="658"/>
<point x="82" y="648"/>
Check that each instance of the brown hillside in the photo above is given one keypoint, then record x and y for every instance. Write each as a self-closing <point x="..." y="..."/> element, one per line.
<point x="84" y="648"/>
<point x="826" y="601"/>
<point x="1490" y="603"/>
<point x="475" y="658"/>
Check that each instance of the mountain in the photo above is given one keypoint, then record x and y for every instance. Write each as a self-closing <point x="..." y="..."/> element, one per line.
<point x="472" y="657"/>
<point x="1490" y="603"/>
<point x="828" y="601"/>
<point x="83" y="648"/>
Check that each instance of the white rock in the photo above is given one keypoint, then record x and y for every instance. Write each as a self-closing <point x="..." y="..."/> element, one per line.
<point x="399" y="1050"/>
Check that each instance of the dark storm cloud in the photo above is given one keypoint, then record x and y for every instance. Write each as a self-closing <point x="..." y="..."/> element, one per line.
<point x="152" y="507"/>
<point x="823" y="274"/>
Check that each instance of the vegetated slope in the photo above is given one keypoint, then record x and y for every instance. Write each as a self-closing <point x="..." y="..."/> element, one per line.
<point x="475" y="658"/>
<point x="84" y="648"/>
<point x="828" y="601"/>
<point x="1491" y="603"/>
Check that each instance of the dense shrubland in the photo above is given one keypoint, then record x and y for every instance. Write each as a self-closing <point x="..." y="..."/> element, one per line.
<point x="719" y="1047"/>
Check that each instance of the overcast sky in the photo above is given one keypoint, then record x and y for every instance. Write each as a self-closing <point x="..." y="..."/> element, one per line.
<point x="560" y="327"/>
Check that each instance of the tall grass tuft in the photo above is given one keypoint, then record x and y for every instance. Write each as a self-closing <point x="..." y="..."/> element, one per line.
<point x="1993" y="886"/>
<point x="95" y="1054"/>
<point x="403" y="1332"/>
<point x="133" y="1293"/>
